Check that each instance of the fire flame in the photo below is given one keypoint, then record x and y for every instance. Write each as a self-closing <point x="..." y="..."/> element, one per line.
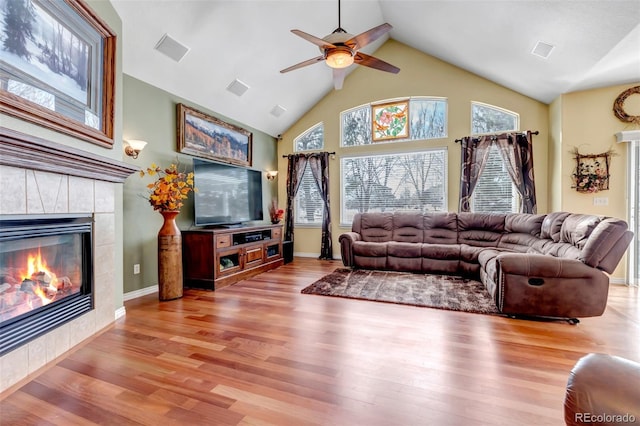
<point x="37" y="265"/>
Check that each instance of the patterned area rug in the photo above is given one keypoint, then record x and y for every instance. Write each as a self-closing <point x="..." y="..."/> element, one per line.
<point x="433" y="291"/>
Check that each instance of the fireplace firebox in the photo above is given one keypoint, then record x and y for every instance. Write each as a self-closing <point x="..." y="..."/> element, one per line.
<point x="46" y="276"/>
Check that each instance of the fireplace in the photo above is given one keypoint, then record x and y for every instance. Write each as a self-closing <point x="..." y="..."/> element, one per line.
<point x="45" y="274"/>
<point x="63" y="187"/>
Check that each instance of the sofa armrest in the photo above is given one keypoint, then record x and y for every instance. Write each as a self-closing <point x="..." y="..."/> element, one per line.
<point x="603" y="385"/>
<point x="346" y="246"/>
<point x="543" y="285"/>
<point x="545" y="266"/>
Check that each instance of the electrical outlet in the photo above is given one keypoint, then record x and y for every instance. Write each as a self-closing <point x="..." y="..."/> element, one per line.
<point x="600" y="201"/>
<point x="136" y="269"/>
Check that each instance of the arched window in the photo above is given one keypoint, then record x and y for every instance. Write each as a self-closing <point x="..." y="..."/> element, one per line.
<point x="308" y="203"/>
<point x="310" y="140"/>
<point x="427" y="120"/>
<point x="494" y="192"/>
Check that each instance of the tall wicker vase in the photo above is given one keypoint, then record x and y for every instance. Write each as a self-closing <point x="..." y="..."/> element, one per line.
<point x="169" y="257"/>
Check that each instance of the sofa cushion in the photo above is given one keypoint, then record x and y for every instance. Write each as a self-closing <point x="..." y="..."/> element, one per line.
<point x="408" y="227"/>
<point x="370" y="255"/>
<point x="397" y="249"/>
<point x="440" y="228"/>
<point x="480" y="229"/>
<point x="524" y="223"/>
<point x="561" y="249"/>
<point x="606" y="244"/>
<point x="517" y="242"/>
<point x="363" y="248"/>
<point x="576" y="229"/>
<point x="404" y="256"/>
<point x="440" y="251"/>
<point x="470" y="253"/>
<point x="376" y="227"/>
<point x="489" y="270"/>
<point x="552" y="224"/>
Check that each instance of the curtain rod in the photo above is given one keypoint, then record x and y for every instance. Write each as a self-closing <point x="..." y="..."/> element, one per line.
<point x="330" y="153"/>
<point x="493" y="137"/>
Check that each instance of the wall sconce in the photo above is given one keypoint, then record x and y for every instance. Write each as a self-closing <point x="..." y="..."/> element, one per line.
<point x="271" y="175"/>
<point x="133" y="147"/>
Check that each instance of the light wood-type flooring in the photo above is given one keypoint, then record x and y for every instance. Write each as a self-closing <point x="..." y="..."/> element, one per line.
<point x="260" y="352"/>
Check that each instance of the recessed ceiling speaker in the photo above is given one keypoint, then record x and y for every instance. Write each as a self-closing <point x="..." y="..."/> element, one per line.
<point x="237" y="87"/>
<point x="542" y="49"/>
<point x="278" y="110"/>
<point x="172" y="48"/>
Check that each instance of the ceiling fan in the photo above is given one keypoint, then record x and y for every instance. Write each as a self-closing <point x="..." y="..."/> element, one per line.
<point x="341" y="49"/>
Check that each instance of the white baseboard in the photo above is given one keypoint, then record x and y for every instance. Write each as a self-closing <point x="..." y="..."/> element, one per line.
<point x="120" y="312"/>
<point x="139" y="293"/>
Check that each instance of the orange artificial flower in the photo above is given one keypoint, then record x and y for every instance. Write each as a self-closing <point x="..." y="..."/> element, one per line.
<point x="171" y="187"/>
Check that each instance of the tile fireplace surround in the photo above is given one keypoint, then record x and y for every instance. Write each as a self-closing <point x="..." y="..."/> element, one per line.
<point x="42" y="177"/>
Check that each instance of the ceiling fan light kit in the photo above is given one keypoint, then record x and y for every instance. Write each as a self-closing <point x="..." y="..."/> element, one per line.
<point x="339" y="58"/>
<point x="341" y="49"/>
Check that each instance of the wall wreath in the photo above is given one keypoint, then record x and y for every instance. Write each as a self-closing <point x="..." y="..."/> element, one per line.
<point x="618" y="106"/>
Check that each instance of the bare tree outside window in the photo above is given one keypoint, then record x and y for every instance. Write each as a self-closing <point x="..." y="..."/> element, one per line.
<point x="428" y="120"/>
<point x="494" y="192"/>
<point x="311" y="140"/>
<point x="308" y="203"/>
<point x="390" y="182"/>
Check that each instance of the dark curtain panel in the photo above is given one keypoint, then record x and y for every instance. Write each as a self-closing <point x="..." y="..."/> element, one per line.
<point x="517" y="152"/>
<point x="473" y="159"/>
<point x="319" y="164"/>
<point x="295" y="169"/>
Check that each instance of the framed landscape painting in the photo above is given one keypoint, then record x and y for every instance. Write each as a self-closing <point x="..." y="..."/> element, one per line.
<point x="205" y="136"/>
<point x="57" y="67"/>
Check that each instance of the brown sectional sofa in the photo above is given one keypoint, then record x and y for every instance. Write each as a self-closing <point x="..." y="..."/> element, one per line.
<point x="532" y="265"/>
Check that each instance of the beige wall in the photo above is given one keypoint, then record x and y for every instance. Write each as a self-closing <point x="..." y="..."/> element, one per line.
<point x="150" y="115"/>
<point x="585" y="120"/>
<point x="420" y="75"/>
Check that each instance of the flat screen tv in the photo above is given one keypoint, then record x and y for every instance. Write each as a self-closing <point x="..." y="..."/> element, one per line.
<point x="227" y="195"/>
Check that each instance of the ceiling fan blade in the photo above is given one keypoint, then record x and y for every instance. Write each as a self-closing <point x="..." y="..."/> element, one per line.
<point x="361" y="40"/>
<point x="338" y="77"/>
<point x="313" y="39"/>
<point x="371" y="62"/>
<point x="303" y="64"/>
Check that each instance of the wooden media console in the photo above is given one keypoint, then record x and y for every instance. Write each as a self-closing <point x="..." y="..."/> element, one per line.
<point x="216" y="258"/>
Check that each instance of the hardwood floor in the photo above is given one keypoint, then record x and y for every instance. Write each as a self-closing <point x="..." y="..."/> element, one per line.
<point x="259" y="352"/>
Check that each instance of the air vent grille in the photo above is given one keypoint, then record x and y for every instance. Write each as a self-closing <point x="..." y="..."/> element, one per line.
<point x="237" y="87"/>
<point x="542" y="49"/>
<point x="172" y="48"/>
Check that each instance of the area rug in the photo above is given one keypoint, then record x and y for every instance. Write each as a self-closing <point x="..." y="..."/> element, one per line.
<point x="433" y="291"/>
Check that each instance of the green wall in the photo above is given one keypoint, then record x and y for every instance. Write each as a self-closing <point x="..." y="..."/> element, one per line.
<point x="150" y="115"/>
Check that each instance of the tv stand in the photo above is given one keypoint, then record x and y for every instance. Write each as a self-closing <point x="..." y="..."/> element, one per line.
<point x="216" y="258"/>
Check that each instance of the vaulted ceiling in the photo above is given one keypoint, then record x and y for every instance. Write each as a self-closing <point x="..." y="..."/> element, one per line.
<point x="597" y="44"/>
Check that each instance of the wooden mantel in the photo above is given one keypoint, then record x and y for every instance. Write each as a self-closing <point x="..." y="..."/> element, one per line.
<point x="25" y="151"/>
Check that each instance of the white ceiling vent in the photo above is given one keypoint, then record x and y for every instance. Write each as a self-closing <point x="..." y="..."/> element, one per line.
<point x="542" y="49"/>
<point x="172" y="48"/>
<point x="278" y="110"/>
<point x="237" y="87"/>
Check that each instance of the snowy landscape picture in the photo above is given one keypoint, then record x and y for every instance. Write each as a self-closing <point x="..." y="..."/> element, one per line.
<point x="40" y="49"/>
